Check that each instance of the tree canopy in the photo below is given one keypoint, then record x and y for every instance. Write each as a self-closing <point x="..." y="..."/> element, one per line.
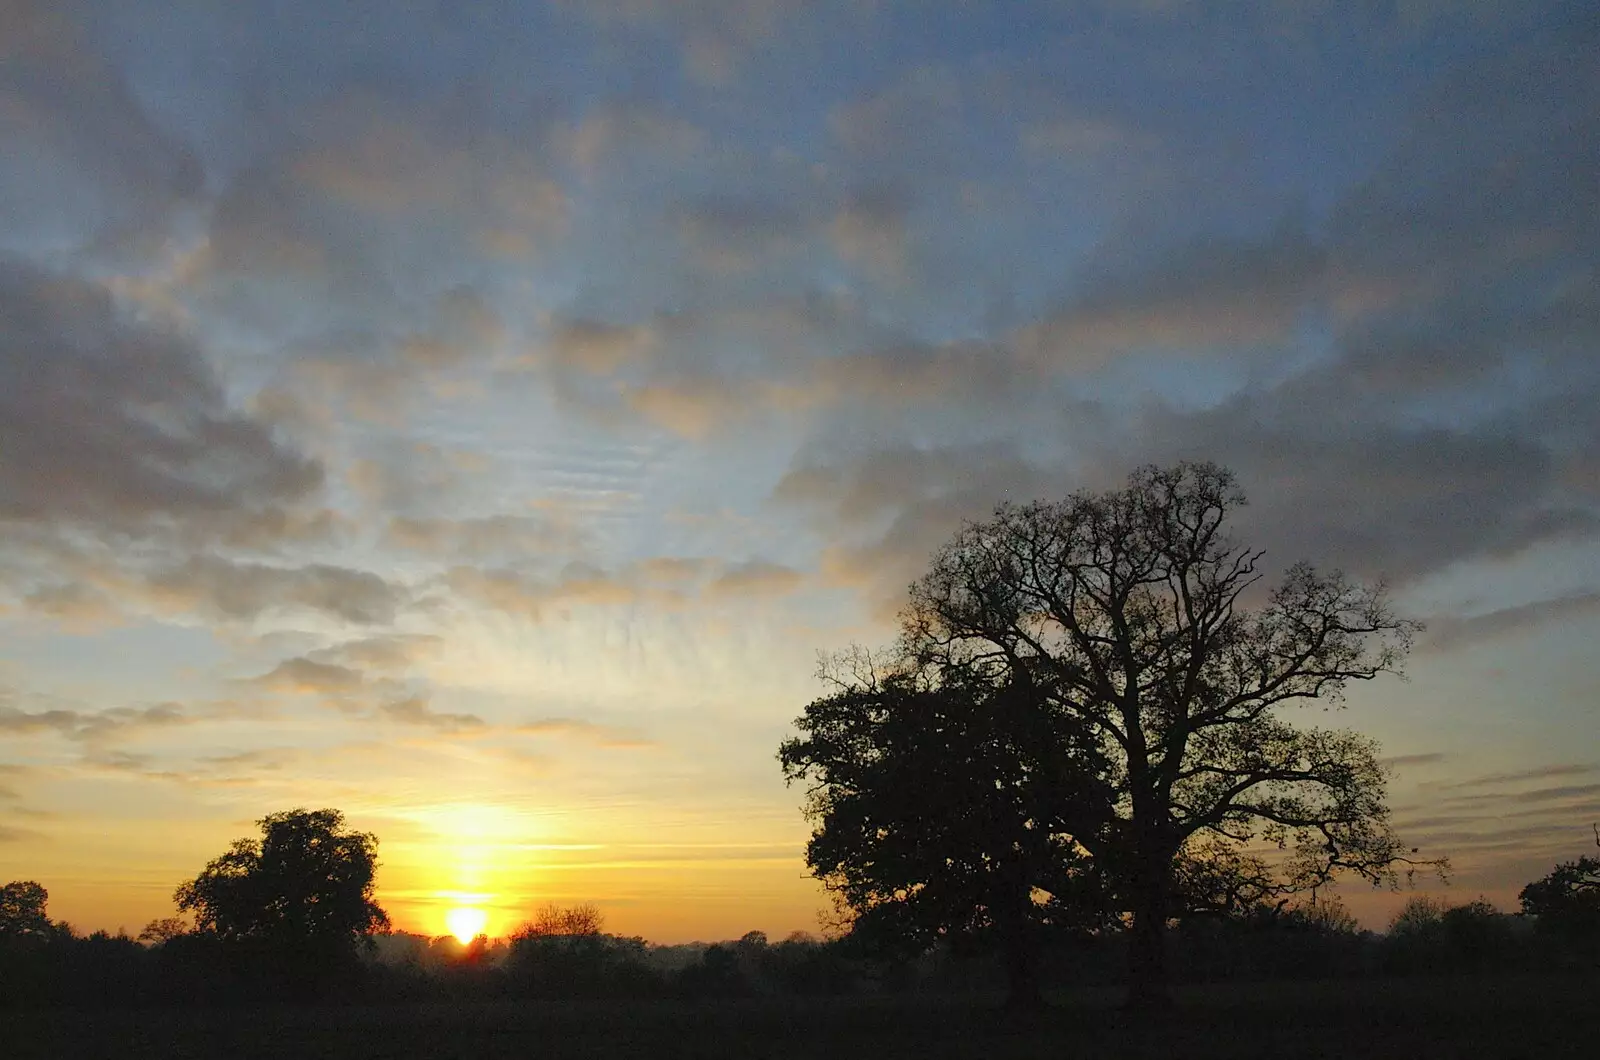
<point x="1137" y="625"/>
<point x="22" y="911"/>
<point x="305" y="886"/>
<point x="939" y="811"/>
<point x="1567" y="900"/>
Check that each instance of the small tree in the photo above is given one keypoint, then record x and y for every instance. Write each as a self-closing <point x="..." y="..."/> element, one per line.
<point x="22" y="913"/>
<point x="553" y="920"/>
<point x="1567" y="901"/>
<point x="300" y="896"/>
<point x="163" y="930"/>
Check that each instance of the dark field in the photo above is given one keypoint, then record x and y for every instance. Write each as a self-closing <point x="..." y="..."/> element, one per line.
<point x="1410" y="1018"/>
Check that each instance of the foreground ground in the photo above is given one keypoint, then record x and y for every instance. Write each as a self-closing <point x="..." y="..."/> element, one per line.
<point x="1543" y="1017"/>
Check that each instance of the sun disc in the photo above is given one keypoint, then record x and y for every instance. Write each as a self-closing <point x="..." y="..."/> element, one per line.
<point x="466" y="922"/>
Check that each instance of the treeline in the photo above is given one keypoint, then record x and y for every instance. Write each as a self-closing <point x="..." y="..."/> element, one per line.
<point x="292" y="917"/>
<point x="58" y="967"/>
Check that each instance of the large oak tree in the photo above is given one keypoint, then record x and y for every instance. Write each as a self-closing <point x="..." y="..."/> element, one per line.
<point x="1133" y="616"/>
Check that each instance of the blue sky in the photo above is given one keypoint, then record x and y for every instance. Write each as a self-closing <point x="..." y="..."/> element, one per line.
<point x="479" y="422"/>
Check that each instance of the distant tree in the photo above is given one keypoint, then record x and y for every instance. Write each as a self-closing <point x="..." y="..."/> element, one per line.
<point x="564" y="952"/>
<point x="554" y="920"/>
<point x="1132" y="619"/>
<point x="163" y="930"/>
<point x="1429" y="934"/>
<point x="1422" y="915"/>
<point x="22" y="912"/>
<point x="1567" y="901"/>
<point x="1476" y="934"/>
<point x="1326" y="915"/>
<point x="941" y="808"/>
<point x="302" y="894"/>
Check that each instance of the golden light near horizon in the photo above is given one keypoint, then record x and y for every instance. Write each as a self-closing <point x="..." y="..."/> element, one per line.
<point x="466" y="922"/>
<point x="469" y="865"/>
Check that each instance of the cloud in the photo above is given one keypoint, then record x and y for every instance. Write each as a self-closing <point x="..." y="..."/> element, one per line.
<point x="615" y="132"/>
<point x="1398" y="500"/>
<point x="597" y="347"/>
<point x="1409" y="386"/>
<point x="603" y="735"/>
<point x="1539" y="773"/>
<point x="113" y="427"/>
<point x="406" y="476"/>
<point x="1212" y="294"/>
<point x="377" y="243"/>
<point x="758" y="578"/>
<point x="741" y="232"/>
<point x="485" y="537"/>
<point x="1449" y="632"/>
<point x="1570" y="791"/>
<point x="415" y="710"/>
<point x="388" y="653"/>
<point x="94" y="585"/>
<point x="715" y="38"/>
<point x="302" y="676"/>
<point x="525" y="594"/>
<point x="870" y="231"/>
<point x="352" y="691"/>
<point x="887" y="511"/>
<point x="1538" y="795"/>
<point x="1403" y="761"/>
<point x="103" y="725"/>
<point x="85" y="165"/>
<point x="11" y="834"/>
<point x="660" y="581"/>
<point x="242" y="590"/>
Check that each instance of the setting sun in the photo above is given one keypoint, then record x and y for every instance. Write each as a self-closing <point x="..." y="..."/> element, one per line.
<point x="466" y="922"/>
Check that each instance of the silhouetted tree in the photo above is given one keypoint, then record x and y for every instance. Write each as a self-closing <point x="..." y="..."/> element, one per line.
<point x="298" y="899"/>
<point x="22" y="912"/>
<point x="1567" y="901"/>
<point x="563" y="951"/>
<point x="553" y="919"/>
<point x="941" y="803"/>
<point x="163" y="930"/>
<point x="1133" y="614"/>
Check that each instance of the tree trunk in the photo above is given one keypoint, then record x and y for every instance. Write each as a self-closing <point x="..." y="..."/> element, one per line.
<point x="1149" y="981"/>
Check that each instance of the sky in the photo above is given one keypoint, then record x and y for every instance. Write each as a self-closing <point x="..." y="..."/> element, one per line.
<point x="478" y="418"/>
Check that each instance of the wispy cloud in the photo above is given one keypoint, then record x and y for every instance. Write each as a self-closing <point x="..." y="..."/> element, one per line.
<point x="1449" y="632"/>
<point x="94" y="725"/>
<point x="1503" y="779"/>
<point x="1431" y="758"/>
<point x="602" y="735"/>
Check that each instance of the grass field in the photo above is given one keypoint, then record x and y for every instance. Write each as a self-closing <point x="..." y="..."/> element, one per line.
<point x="1414" y="1018"/>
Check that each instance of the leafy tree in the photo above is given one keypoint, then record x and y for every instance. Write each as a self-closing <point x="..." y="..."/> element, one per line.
<point x="1134" y="615"/>
<point x="163" y="930"/>
<point x="22" y="912"/>
<point x="940" y="805"/>
<point x="302" y="894"/>
<point x="1567" y="901"/>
